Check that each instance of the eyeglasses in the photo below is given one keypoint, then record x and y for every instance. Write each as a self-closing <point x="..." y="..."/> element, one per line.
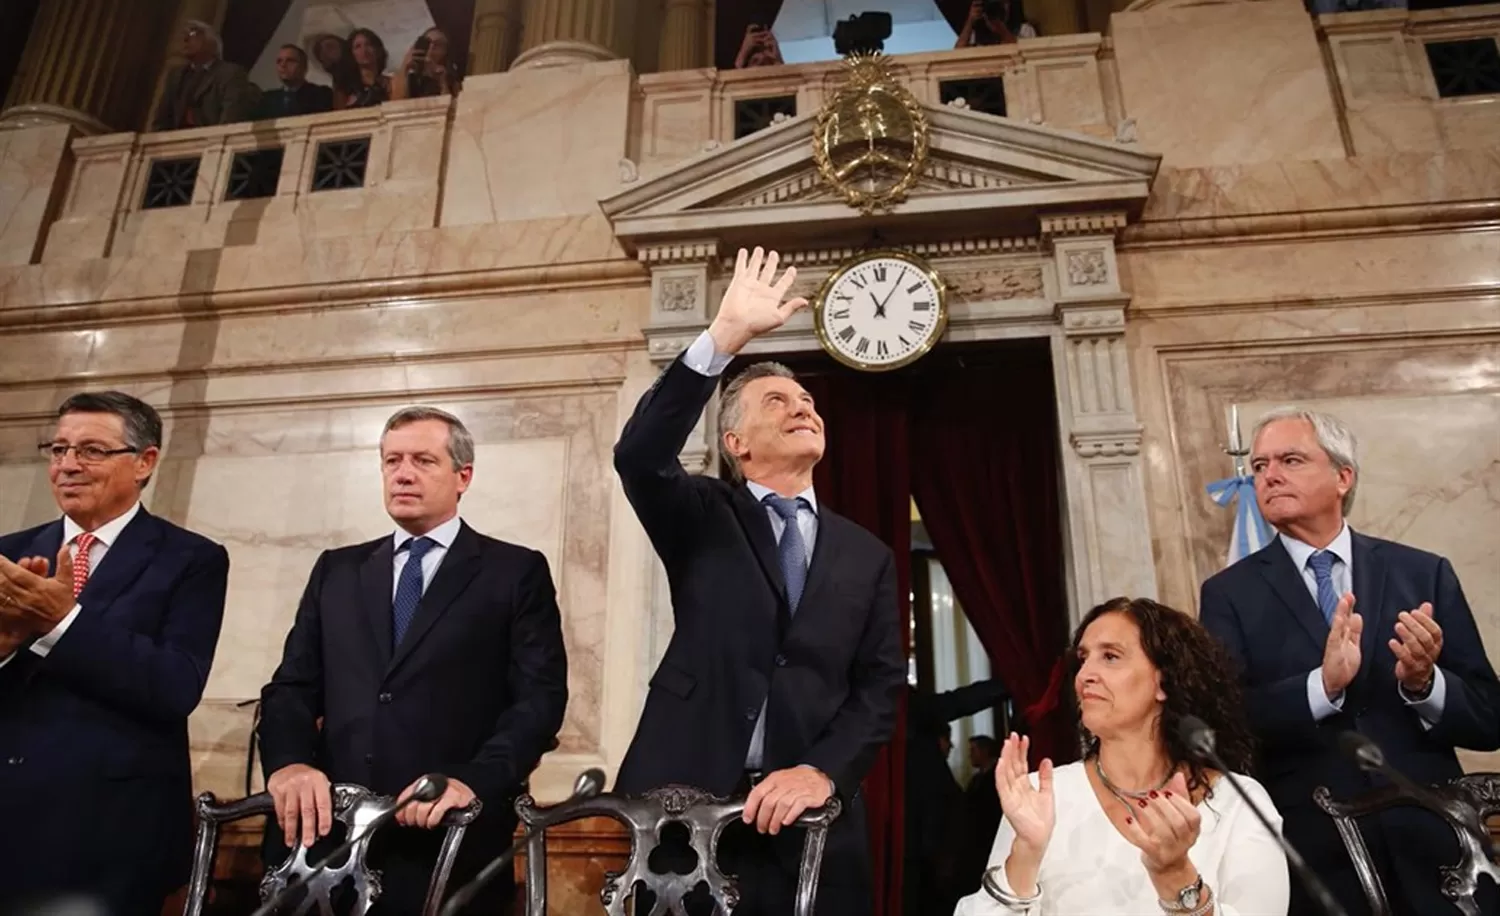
<point x="55" y="452"/>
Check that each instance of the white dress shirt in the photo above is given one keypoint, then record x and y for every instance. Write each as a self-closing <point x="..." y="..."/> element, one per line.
<point x="104" y="536"/>
<point x="1430" y="708"/>
<point x="1090" y="869"/>
<point x="442" y="537"/>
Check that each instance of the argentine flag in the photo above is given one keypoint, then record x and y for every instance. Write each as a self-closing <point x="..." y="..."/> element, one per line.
<point x="1250" y="532"/>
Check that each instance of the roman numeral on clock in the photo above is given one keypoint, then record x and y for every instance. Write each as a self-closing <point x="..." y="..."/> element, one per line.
<point x="881" y="349"/>
<point x="916" y="325"/>
<point x="863" y="346"/>
<point x="916" y="287"/>
<point x="847" y="334"/>
<point x="921" y="306"/>
<point x="880" y="273"/>
<point x="840" y="314"/>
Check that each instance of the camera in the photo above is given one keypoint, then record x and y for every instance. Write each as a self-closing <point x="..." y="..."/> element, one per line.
<point x="862" y="34"/>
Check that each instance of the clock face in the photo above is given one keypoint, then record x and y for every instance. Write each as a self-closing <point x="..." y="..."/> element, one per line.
<point x="881" y="312"/>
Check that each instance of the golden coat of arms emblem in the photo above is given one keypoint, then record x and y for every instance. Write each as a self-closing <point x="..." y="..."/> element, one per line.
<point x="870" y="141"/>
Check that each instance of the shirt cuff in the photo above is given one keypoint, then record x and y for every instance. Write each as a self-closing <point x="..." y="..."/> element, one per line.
<point x="46" y="643"/>
<point x="1430" y="707"/>
<point x="1317" y="700"/>
<point x="704" y="358"/>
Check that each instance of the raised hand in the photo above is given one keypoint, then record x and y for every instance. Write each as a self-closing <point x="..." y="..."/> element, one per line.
<point x="752" y="305"/>
<point x="1029" y="809"/>
<point x="1418" y="643"/>
<point x="1165" y="826"/>
<point x="1341" y="652"/>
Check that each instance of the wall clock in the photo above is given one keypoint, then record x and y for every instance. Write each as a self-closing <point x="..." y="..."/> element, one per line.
<point x="881" y="310"/>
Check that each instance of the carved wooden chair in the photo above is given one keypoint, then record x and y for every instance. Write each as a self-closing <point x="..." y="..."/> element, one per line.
<point x="1470" y="800"/>
<point x="705" y="816"/>
<point x="355" y="807"/>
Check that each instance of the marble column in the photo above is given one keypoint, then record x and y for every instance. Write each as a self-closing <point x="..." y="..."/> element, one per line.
<point x="682" y="36"/>
<point x="575" y="31"/>
<point x="496" y="26"/>
<point x="82" y="66"/>
<point x="1103" y="474"/>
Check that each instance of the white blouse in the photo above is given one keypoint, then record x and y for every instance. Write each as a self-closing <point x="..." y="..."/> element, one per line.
<point x="1090" y="869"/>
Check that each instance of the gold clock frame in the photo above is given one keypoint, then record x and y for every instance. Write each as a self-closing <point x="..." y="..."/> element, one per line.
<point x="914" y="261"/>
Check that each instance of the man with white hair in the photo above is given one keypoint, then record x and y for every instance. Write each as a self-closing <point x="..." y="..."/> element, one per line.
<point x="1337" y="631"/>
<point x="206" y="89"/>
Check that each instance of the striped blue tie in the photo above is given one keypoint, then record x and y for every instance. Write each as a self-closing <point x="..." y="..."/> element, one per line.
<point x="1321" y="563"/>
<point x="791" y="550"/>
<point x="409" y="588"/>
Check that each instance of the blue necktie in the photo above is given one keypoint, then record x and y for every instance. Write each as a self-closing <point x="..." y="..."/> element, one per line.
<point x="409" y="588"/>
<point x="791" y="549"/>
<point x="1321" y="563"/>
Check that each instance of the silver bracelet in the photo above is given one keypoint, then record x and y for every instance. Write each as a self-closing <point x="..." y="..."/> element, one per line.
<point x="1006" y="898"/>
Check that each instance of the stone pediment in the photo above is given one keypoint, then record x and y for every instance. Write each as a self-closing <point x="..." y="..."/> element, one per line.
<point x="982" y="174"/>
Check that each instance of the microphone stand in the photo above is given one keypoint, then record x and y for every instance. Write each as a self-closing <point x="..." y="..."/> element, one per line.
<point x="1370" y="758"/>
<point x="1200" y="740"/>
<point x="589" y="784"/>
<point x="429" y="788"/>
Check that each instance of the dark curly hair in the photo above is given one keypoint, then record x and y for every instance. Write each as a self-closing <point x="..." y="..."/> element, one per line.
<point x="1197" y="676"/>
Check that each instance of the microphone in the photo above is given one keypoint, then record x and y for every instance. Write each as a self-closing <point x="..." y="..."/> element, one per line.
<point x="588" y="785"/>
<point x="429" y="788"/>
<point x="1371" y="759"/>
<point x="1199" y="739"/>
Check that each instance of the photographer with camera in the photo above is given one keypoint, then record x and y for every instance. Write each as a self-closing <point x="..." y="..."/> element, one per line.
<point x="989" y="24"/>
<point x="759" y="49"/>
<point x="426" y="69"/>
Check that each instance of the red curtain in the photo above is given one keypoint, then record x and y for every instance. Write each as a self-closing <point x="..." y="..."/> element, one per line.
<point x="456" y="19"/>
<point x="248" y="27"/>
<point x="865" y="476"/>
<point x="985" y="461"/>
<point x="731" y="18"/>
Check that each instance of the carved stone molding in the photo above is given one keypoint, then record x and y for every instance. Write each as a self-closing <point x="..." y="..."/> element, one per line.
<point x="1107" y="444"/>
<point x="997" y="283"/>
<point x="1087" y="268"/>
<point x="682" y="252"/>
<point x="678" y="294"/>
<point x="1077" y="224"/>
<point x="1106" y="319"/>
<point x="663" y="346"/>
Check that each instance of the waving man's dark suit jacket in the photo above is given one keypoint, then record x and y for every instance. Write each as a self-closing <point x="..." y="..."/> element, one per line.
<point x="831" y="673"/>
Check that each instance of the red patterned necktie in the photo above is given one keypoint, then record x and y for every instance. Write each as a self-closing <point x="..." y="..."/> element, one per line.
<point x="81" y="562"/>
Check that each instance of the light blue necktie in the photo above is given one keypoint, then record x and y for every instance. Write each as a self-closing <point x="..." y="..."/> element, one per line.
<point x="408" y="588"/>
<point x="1321" y="563"/>
<point x="791" y="549"/>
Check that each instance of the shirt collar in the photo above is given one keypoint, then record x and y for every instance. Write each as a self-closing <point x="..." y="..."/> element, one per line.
<point x="760" y="492"/>
<point x="106" y="533"/>
<point x="1301" y="550"/>
<point x="443" y="534"/>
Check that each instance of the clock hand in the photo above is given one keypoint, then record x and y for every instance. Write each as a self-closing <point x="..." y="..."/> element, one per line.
<point x="879" y="306"/>
<point x="895" y="286"/>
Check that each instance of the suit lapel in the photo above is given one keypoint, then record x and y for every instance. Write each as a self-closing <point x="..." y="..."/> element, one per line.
<point x="459" y="567"/>
<point x="1369" y="596"/>
<point x="1282" y="574"/>
<point x="752" y="517"/>
<point x="824" y="558"/>
<point x="376" y="586"/>
<point x="127" y="558"/>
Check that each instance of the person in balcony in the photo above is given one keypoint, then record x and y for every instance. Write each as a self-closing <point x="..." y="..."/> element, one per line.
<point x="994" y="22"/>
<point x="426" y="69"/>
<point x="364" y="82"/>
<point x="759" y="48"/>
<point x="206" y="90"/>
<point x="296" y="96"/>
